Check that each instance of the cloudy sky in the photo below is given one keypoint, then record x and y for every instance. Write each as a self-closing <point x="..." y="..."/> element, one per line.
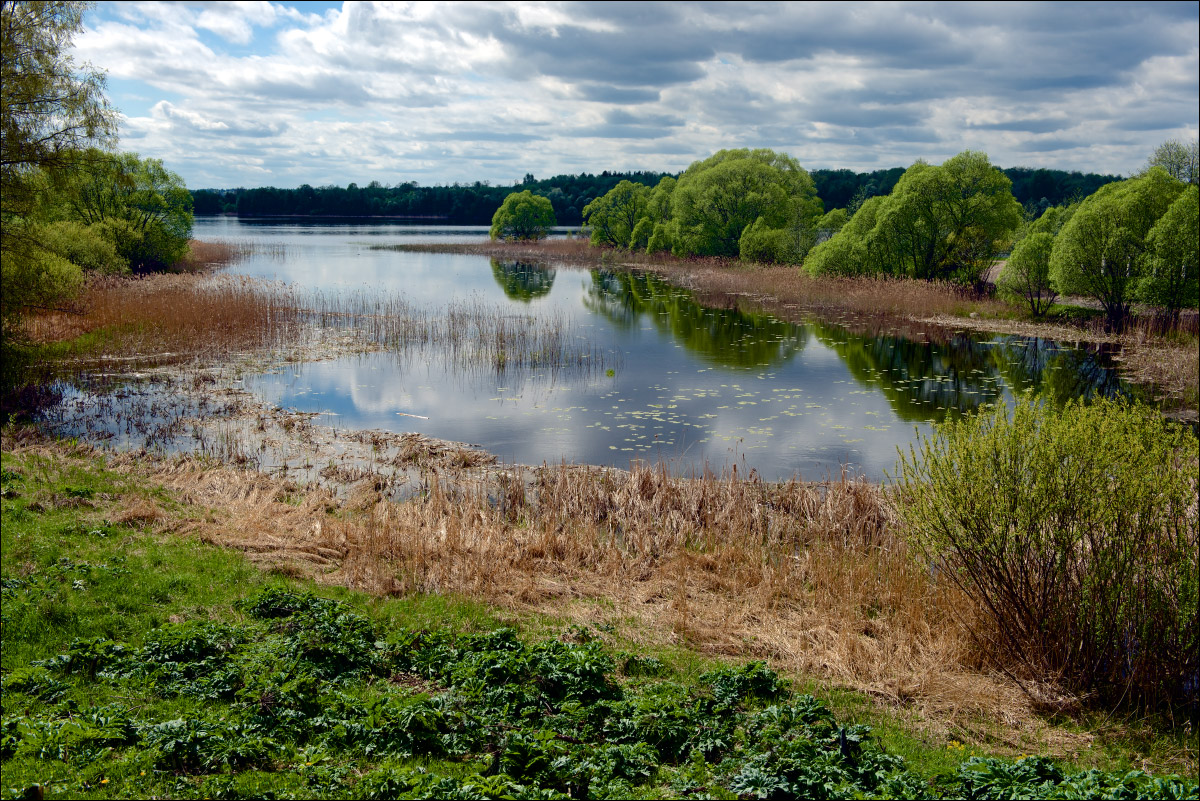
<point x="256" y="94"/>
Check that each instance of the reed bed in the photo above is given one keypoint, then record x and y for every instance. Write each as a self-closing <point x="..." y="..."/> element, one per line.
<point x="168" y="319"/>
<point x="206" y="255"/>
<point x="165" y="319"/>
<point x="468" y="333"/>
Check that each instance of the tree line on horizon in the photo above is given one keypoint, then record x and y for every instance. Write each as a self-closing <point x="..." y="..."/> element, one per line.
<point x="474" y="204"/>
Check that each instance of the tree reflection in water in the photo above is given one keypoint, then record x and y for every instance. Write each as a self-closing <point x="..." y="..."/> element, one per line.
<point x="921" y="380"/>
<point x="522" y="280"/>
<point x="721" y="336"/>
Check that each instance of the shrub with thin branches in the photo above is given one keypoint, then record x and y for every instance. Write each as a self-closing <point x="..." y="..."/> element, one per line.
<point x="1075" y="532"/>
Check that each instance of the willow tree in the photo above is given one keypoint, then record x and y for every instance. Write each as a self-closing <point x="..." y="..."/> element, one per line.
<point x="614" y="215"/>
<point x="523" y="215"/>
<point x="947" y="222"/>
<point x="51" y="113"/>
<point x="1173" y="244"/>
<point x="717" y="199"/>
<point x="1102" y="251"/>
<point x="143" y="208"/>
<point x="941" y="222"/>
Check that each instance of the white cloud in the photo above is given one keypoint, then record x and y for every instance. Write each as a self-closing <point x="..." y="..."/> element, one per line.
<point x="488" y="91"/>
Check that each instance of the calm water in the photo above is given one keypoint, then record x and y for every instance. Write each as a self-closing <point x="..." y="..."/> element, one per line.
<point x="691" y="385"/>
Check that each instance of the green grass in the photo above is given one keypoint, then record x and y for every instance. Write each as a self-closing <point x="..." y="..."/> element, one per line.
<point x="143" y="664"/>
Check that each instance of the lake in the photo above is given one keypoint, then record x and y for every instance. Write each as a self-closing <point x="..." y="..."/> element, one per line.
<point x="695" y="387"/>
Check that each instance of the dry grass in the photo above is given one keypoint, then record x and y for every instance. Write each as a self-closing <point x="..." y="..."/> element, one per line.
<point x="203" y="256"/>
<point x="810" y="576"/>
<point x="168" y="319"/>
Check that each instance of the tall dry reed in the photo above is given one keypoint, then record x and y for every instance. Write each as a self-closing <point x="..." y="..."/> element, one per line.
<point x="812" y="575"/>
<point x="164" y="319"/>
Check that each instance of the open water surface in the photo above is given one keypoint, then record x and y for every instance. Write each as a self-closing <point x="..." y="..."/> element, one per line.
<point x="693" y="386"/>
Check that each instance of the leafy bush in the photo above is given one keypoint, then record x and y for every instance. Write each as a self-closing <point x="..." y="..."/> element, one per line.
<point x="1075" y="531"/>
<point x="1037" y="777"/>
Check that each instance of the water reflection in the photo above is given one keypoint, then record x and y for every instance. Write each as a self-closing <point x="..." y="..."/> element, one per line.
<point x="721" y="336"/>
<point x="931" y="380"/>
<point x="522" y="280"/>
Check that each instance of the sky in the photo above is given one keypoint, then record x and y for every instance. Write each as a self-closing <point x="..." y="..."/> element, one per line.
<point x="282" y="94"/>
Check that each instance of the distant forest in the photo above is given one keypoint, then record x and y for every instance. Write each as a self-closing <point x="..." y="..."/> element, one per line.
<point x="474" y="204"/>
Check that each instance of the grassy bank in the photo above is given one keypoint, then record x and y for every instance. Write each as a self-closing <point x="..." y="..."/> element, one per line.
<point x="1169" y="364"/>
<point x="141" y="660"/>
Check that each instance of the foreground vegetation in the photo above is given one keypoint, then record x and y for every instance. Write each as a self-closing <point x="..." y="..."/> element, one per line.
<point x="139" y="662"/>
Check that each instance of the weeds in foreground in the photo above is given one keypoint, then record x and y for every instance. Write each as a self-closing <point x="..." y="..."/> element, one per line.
<point x="252" y="687"/>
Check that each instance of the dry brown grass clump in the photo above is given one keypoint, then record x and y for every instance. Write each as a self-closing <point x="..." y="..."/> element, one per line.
<point x="169" y="318"/>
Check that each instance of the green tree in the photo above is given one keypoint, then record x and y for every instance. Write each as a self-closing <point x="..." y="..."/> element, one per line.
<point x="847" y="252"/>
<point x="614" y="216"/>
<point x="1074" y="531"/>
<point x="1026" y="275"/>
<point x="652" y="231"/>
<point x="1174" y="247"/>
<point x="833" y="221"/>
<point x="523" y="215"/>
<point x="50" y="113"/>
<point x="1101" y="252"/>
<point x="715" y="200"/>
<point x="947" y="222"/>
<point x="944" y="222"/>
<point x="145" y="207"/>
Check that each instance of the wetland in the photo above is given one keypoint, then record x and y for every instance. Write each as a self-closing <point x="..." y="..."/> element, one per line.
<point x="545" y="361"/>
